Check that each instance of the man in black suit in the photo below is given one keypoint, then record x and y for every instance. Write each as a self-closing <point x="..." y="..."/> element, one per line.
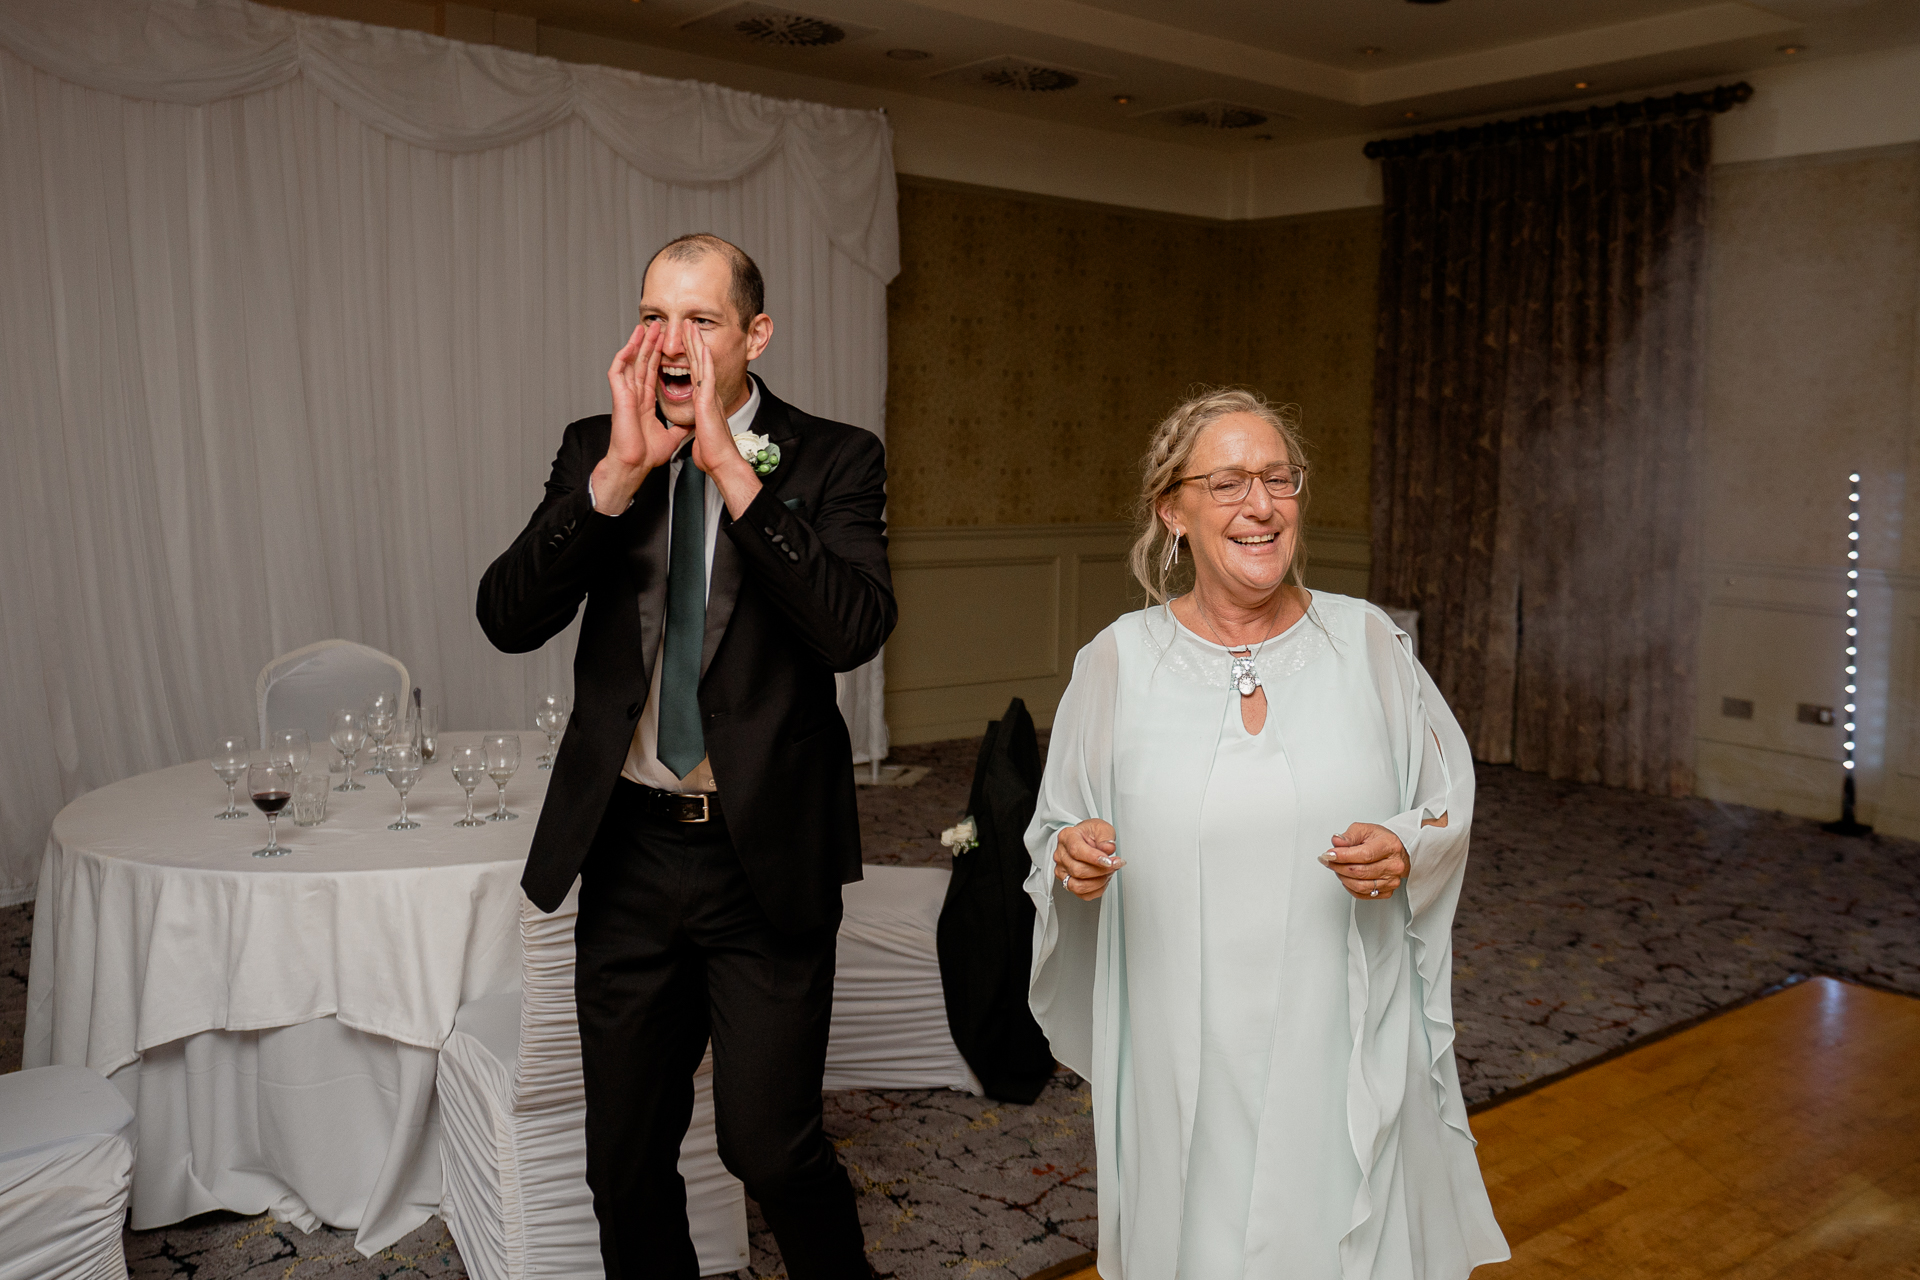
<point x="704" y="791"/>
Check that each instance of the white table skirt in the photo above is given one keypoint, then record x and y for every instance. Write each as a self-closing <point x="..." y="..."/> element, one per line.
<point x="316" y="1122"/>
<point x="156" y="933"/>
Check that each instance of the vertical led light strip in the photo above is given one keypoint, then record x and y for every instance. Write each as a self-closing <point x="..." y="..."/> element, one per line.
<point x="1848" y="825"/>
<point x="1853" y="626"/>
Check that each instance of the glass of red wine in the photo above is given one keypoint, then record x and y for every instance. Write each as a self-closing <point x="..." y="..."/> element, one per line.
<point x="270" y="783"/>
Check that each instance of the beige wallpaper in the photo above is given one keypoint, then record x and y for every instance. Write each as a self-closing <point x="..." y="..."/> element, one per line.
<point x="1309" y="320"/>
<point x="1815" y="272"/>
<point x="1035" y="343"/>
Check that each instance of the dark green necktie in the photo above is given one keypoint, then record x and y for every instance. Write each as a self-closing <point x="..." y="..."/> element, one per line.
<point x="682" y="746"/>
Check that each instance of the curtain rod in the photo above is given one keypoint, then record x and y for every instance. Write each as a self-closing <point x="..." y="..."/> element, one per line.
<point x="1558" y="124"/>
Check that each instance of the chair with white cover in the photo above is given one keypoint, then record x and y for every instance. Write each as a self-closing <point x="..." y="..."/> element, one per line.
<point x="302" y="689"/>
<point x="513" y="1116"/>
<point x="513" y="1105"/>
<point x="66" y="1170"/>
<point x="889" y="1008"/>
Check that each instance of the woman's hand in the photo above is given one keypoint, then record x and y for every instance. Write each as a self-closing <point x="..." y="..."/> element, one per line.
<point x="1084" y="858"/>
<point x="1370" y="861"/>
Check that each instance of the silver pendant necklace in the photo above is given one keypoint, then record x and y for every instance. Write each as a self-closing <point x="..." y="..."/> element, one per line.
<point x="1244" y="676"/>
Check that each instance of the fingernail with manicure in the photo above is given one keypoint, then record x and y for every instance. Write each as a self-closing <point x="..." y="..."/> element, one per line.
<point x="1326" y="859"/>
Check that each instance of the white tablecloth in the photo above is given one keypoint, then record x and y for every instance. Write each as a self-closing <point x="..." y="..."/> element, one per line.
<point x="157" y="934"/>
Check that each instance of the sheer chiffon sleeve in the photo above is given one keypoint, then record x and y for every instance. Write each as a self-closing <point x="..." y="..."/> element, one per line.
<point x="1077" y="785"/>
<point x="1437" y="782"/>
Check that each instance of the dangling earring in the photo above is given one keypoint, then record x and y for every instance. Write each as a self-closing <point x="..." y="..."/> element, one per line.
<point x="1173" y="553"/>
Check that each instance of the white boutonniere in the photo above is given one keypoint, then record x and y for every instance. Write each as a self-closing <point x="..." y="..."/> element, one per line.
<point x="961" y="836"/>
<point x="763" y="453"/>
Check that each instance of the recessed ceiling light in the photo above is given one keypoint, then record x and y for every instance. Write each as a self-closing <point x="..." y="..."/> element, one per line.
<point x="1791" y="49"/>
<point x="1371" y="51"/>
<point x="1122" y="99"/>
<point x="1410" y="115"/>
<point x="908" y="55"/>
<point x="1583" y="84"/>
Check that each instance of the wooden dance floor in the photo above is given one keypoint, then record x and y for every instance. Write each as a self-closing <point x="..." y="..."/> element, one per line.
<point x="1780" y="1140"/>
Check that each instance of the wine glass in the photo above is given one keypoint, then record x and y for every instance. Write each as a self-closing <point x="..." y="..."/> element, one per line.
<point x="403" y="770"/>
<point x="270" y="783"/>
<point x="347" y="731"/>
<point x="469" y="766"/>
<point x="427" y="732"/>
<point x="383" y="712"/>
<point x="406" y="730"/>
<point x="230" y="765"/>
<point x="290" y="746"/>
<point x="503" y="757"/>
<point x="549" y="716"/>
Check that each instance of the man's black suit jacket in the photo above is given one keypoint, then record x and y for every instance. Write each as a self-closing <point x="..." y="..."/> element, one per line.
<point x="800" y="590"/>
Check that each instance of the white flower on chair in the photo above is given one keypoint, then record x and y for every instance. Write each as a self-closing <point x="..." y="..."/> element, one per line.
<point x="961" y="836"/>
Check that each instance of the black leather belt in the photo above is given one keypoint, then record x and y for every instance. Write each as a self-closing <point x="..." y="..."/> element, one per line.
<point x="677" y="806"/>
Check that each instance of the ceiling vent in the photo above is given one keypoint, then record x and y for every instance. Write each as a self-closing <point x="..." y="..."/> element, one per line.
<point x="1214" y="114"/>
<point x="1021" y="75"/>
<point x="763" y="24"/>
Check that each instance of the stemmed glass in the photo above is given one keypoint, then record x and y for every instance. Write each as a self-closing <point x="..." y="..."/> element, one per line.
<point x="469" y="766"/>
<point x="383" y="712"/>
<point x="503" y="757"/>
<point x="549" y="716"/>
<point x="403" y="770"/>
<point x="290" y="746"/>
<point x="347" y="731"/>
<point x="230" y="765"/>
<point x="270" y="783"/>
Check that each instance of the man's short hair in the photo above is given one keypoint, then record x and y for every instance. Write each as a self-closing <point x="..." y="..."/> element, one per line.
<point x="749" y="291"/>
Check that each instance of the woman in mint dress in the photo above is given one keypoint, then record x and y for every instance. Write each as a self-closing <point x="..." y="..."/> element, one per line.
<point x="1249" y="844"/>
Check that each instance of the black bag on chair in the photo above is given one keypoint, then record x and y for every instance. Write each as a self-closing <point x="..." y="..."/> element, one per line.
<point x="986" y="924"/>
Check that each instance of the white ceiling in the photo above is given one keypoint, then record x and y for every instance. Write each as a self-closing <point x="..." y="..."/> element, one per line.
<point x="1299" y="61"/>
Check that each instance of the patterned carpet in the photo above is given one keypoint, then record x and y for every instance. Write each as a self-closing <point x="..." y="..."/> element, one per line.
<point x="1591" y="918"/>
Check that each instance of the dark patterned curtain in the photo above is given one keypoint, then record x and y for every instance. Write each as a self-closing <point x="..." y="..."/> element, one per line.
<point x="1537" y="403"/>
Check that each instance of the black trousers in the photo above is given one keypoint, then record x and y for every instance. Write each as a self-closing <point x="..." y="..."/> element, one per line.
<point x="673" y="950"/>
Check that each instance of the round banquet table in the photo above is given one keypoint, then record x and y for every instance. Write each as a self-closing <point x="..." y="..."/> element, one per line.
<point x="275" y="1022"/>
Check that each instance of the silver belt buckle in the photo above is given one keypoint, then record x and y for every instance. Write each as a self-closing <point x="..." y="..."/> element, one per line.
<point x="706" y="808"/>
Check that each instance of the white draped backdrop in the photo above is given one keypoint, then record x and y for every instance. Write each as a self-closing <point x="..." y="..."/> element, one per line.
<point x="293" y="311"/>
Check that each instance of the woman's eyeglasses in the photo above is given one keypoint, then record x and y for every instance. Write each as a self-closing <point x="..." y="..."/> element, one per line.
<point x="1231" y="485"/>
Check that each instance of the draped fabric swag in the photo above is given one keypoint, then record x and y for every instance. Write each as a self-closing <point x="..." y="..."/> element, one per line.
<point x="293" y="311"/>
<point x="1537" y="402"/>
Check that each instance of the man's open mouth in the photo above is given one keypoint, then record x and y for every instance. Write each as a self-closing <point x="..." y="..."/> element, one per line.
<point x="676" y="381"/>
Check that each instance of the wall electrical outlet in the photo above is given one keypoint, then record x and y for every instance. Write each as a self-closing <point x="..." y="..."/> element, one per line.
<point x="1737" y="708"/>
<point x="1810" y="714"/>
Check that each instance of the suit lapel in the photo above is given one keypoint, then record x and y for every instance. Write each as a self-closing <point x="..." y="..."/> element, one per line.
<point x="723" y="587"/>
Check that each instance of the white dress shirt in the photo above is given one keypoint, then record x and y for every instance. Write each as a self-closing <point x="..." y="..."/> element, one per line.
<point x="643" y="759"/>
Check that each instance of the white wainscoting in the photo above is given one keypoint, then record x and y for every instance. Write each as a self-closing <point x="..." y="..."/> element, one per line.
<point x="989" y="613"/>
<point x="1774" y="636"/>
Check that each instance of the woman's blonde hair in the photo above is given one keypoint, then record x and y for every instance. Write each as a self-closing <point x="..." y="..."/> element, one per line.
<point x="1168" y="456"/>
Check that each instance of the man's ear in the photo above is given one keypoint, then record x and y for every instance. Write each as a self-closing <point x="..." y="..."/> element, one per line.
<point x="759" y="334"/>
